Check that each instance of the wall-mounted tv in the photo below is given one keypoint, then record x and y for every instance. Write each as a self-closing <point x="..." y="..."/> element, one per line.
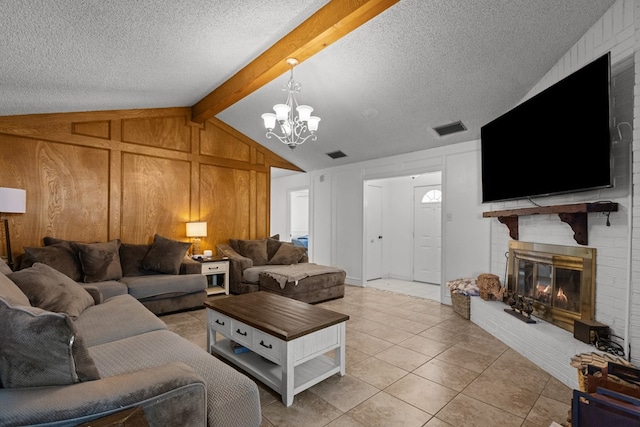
<point x="558" y="141"/>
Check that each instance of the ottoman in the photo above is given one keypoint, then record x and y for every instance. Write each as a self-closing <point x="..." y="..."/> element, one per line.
<point x="310" y="283"/>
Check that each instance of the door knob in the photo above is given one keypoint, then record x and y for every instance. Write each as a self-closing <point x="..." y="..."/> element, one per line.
<point x="379" y="237"/>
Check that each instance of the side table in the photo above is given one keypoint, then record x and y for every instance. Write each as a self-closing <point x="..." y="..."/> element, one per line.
<point x="213" y="267"/>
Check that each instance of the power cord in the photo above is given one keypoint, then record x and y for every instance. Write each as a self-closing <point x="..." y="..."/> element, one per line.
<point x="606" y="344"/>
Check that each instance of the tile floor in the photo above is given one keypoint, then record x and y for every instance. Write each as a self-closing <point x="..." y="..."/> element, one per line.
<point x="412" y="362"/>
<point x="416" y="289"/>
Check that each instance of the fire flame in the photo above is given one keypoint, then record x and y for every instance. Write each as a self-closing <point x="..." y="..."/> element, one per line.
<point x="561" y="296"/>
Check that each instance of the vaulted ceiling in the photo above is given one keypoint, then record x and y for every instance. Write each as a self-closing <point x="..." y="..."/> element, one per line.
<point x="390" y="71"/>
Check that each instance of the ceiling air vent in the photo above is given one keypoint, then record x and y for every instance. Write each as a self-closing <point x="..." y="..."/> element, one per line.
<point x="336" y="154"/>
<point x="450" y="128"/>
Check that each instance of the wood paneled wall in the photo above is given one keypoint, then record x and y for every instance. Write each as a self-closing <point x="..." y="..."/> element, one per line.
<point x="129" y="174"/>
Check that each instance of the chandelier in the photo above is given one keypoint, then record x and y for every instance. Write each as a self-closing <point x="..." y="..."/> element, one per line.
<point x="287" y="128"/>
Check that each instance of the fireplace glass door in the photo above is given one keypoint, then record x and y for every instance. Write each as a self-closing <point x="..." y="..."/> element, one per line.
<point x="558" y="279"/>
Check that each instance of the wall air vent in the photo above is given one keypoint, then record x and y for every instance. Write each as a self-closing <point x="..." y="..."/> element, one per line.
<point x="450" y="128"/>
<point x="336" y="154"/>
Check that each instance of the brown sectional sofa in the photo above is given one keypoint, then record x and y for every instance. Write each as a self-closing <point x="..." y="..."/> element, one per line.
<point x="159" y="275"/>
<point x="256" y="265"/>
<point x="104" y="356"/>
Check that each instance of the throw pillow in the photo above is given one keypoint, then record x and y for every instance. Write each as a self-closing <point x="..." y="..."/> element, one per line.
<point x="165" y="255"/>
<point x="40" y="348"/>
<point x="254" y="249"/>
<point x="51" y="290"/>
<point x="100" y="261"/>
<point x="60" y="256"/>
<point x="131" y="257"/>
<point x="273" y="244"/>
<point x="288" y="254"/>
<point x="11" y="292"/>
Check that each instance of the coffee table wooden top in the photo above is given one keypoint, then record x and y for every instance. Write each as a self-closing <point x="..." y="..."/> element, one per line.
<point x="281" y="317"/>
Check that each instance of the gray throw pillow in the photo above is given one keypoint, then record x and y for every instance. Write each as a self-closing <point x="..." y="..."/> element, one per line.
<point x="40" y="348"/>
<point x="254" y="249"/>
<point x="60" y="256"/>
<point x="11" y="292"/>
<point x="100" y="261"/>
<point x="51" y="290"/>
<point x="165" y="255"/>
<point x="288" y="254"/>
<point x="131" y="257"/>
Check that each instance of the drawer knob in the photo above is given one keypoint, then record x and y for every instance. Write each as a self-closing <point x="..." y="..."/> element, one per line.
<point x="264" y="345"/>
<point x="244" y="334"/>
<point x="219" y="322"/>
<point x="213" y="268"/>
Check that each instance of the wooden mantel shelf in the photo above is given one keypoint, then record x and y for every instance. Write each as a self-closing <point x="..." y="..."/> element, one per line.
<point x="575" y="215"/>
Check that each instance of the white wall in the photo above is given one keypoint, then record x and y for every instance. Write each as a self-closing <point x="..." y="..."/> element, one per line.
<point x="337" y="217"/>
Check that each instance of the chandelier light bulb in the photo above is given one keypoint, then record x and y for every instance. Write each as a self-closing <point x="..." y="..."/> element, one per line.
<point x="289" y="129"/>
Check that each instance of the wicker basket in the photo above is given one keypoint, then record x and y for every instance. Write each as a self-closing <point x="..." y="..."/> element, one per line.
<point x="461" y="304"/>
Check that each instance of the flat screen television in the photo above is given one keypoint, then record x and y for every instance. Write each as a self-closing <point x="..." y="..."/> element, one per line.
<point x="558" y="141"/>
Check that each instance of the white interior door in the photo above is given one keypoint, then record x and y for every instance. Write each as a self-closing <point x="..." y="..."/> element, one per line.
<point x="427" y="234"/>
<point x="373" y="214"/>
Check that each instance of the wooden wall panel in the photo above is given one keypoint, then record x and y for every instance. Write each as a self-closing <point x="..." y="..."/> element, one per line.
<point x="165" y="132"/>
<point x="129" y="174"/>
<point x="215" y="141"/>
<point x="224" y="204"/>
<point x="67" y="190"/>
<point x="155" y="198"/>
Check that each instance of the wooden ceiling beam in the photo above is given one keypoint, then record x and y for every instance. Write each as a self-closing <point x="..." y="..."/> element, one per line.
<point x="330" y="23"/>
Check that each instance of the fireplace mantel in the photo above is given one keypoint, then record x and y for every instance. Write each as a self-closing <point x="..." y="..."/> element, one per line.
<point x="575" y="215"/>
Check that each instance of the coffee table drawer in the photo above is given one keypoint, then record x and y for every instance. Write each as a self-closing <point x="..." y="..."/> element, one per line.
<point x="219" y="322"/>
<point x="267" y="346"/>
<point x="242" y="333"/>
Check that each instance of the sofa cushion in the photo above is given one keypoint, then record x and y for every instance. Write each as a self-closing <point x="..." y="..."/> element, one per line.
<point x="131" y="257"/>
<point x="287" y="254"/>
<point x="100" y="261"/>
<point x="252" y="274"/>
<point x="11" y="292"/>
<point x="165" y="255"/>
<point x="142" y="287"/>
<point x="60" y="256"/>
<point x="116" y="318"/>
<point x="4" y="268"/>
<point x="51" y="290"/>
<point x="254" y="249"/>
<point x="41" y="348"/>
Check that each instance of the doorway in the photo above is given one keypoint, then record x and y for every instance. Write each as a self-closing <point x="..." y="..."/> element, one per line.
<point x="298" y="223"/>
<point x="409" y="244"/>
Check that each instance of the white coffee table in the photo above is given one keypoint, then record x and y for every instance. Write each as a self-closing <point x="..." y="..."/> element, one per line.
<point x="288" y="340"/>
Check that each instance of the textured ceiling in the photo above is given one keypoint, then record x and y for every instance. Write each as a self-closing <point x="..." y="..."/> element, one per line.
<point x="379" y="90"/>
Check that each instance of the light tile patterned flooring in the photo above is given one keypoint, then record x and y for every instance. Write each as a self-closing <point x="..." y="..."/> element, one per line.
<point x="412" y="362"/>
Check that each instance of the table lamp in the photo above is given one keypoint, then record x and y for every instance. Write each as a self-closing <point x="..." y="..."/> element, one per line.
<point x="197" y="230"/>
<point x="12" y="200"/>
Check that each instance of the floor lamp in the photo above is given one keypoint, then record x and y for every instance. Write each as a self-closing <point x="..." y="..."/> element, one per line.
<point x="12" y="200"/>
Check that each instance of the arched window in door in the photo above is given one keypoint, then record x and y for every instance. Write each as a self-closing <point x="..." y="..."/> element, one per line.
<point x="432" y="196"/>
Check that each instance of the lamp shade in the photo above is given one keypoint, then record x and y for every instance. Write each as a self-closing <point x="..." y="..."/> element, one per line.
<point x="304" y="112"/>
<point x="282" y="111"/>
<point x="13" y="200"/>
<point x="269" y="120"/>
<point x="313" y="123"/>
<point x="196" y="229"/>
